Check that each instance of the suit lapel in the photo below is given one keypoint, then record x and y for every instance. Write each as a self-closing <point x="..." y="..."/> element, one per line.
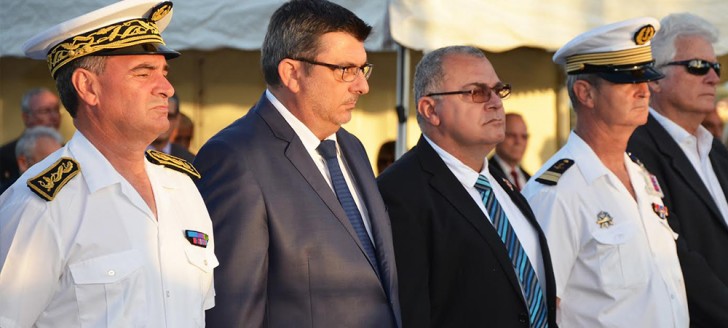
<point x="301" y="160"/>
<point x="680" y="163"/>
<point x="445" y="183"/>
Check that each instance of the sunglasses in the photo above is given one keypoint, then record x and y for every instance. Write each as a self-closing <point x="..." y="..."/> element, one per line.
<point x="479" y="95"/>
<point x="697" y="66"/>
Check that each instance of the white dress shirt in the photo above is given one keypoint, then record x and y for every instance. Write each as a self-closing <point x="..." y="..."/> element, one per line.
<point x="508" y="171"/>
<point x="622" y="273"/>
<point x="697" y="149"/>
<point x="527" y="235"/>
<point x="96" y="256"/>
<point x="311" y="142"/>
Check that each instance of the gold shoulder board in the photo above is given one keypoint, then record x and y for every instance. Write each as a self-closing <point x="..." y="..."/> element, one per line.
<point x="48" y="183"/>
<point x="553" y="174"/>
<point x="172" y="162"/>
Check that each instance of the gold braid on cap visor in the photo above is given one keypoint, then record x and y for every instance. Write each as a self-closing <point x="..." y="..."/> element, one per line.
<point x="115" y="36"/>
<point x="622" y="57"/>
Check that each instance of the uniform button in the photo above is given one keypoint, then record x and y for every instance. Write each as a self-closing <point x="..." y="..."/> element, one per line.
<point x="205" y="261"/>
<point x="523" y="318"/>
<point x="111" y="273"/>
<point x="167" y="293"/>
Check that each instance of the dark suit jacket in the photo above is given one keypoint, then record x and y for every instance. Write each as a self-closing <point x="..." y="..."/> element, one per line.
<point x="454" y="270"/>
<point x="9" y="171"/>
<point x="703" y="241"/>
<point x="181" y="152"/>
<point x="494" y="166"/>
<point x="288" y="254"/>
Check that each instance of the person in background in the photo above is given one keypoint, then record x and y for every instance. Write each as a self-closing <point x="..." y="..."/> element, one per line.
<point x="469" y="251"/>
<point x="714" y="124"/>
<point x="615" y="257"/>
<point x="509" y="153"/>
<point x="40" y="107"/>
<point x="185" y="131"/>
<point x="688" y="162"/>
<point x="36" y="144"/>
<point x="99" y="234"/>
<point x="292" y="195"/>
<point x="163" y="143"/>
<point x="385" y="157"/>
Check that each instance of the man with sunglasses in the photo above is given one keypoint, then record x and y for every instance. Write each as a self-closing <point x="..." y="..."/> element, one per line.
<point x="469" y="250"/>
<point x="614" y="255"/>
<point x="689" y="163"/>
<point x="292" y="195"/>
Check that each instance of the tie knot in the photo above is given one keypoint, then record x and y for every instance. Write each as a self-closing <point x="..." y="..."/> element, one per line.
<point x="327" y="149"/>
<point x="482" y="183"/>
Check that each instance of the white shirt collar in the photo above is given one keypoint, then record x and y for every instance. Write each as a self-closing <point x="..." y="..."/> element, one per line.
<point x="590" y="166"/>
<point x="466" y="175"/>
<point x="308" y="138"/>
<point x="703" y="138"/>
<point x="96" y="169"/>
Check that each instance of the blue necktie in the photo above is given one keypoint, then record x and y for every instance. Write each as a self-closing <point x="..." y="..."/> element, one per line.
<point x="532" y="291"/>
<point x="327" y="149"/>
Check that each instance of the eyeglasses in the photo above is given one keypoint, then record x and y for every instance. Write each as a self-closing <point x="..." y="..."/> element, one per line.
<point x="348" y="73"/>
<point x="481" y="94"/>
<point x="697" y="66"/>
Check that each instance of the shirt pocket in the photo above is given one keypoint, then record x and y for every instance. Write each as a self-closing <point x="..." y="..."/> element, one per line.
<point x="620" y="258"/>
<point x="110" y="290"/>
<point x="202" y="262"/>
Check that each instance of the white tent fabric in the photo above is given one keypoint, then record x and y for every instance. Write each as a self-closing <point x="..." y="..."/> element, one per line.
<point x="502" y="25"/>
<point x="199" y="25"/>
<point x="418" y="24"/>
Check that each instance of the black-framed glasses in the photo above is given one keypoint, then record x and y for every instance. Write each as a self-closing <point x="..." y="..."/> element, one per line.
<point x="348" y="73"/>
<point x="480" y="94"/>
<point x="697" y="66"/>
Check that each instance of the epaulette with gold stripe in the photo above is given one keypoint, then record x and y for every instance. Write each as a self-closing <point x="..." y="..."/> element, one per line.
<point x="172" y="162"/>
<point x="48" y="183"/>
<point x="553" y="174"/>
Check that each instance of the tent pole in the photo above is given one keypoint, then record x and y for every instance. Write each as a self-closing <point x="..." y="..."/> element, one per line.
<point x="403" y="88"/>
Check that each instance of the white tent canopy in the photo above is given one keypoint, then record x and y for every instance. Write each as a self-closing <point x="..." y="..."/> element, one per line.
<point x="499" y="26"/>
<point x="418" y="24"/>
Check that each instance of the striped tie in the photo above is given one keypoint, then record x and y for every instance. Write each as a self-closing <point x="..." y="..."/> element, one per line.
<point x="327" y="149"/>
<point x="532" y="291"/>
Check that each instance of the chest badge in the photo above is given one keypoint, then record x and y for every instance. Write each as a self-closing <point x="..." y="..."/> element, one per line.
<point x="197" y="238"/>
<point x="660" y="210"/>
<point x="604" y="220"/>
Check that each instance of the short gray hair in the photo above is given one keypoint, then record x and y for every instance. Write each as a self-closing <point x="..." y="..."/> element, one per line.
<point x="429" y="73"/>
<point x="27" y="141"/>
<point x="675" y="26"/>
<point x="66" y="91"/>
<point x="28" y="96"/>
<point x="571" y="79"/>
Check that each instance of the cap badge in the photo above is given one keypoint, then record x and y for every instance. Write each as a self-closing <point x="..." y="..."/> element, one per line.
<point x="644" y="35"/>
<point x="159" y="11"/>
<point x="604" y="220"/>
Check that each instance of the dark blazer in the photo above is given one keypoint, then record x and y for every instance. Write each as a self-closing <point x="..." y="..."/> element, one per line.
<point x="703" y="241"/>
<point x="288" y="254"/>
<point x="181" y="152"/>
<point x="494" y="166"/>
<point x="9" y="171"/>
<point x="454" y="270"/>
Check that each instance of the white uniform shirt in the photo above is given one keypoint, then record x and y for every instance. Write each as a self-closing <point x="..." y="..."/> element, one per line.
<point x="623" y="275"/>
<point x="526" y="233"/>
<point x="95" y="256"/>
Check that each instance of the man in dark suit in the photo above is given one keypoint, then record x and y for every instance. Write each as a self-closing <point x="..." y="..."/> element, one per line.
<point x="689" y="163"/>
<point x="454" y="268"/>
<point x="164" y="142"/>
<point x="40" y="107"/>
<point x="292" y="196"/>
<point x="508" y="154"/>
